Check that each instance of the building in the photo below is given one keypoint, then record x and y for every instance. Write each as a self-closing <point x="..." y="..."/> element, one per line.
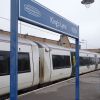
<point x="64" y="41"/>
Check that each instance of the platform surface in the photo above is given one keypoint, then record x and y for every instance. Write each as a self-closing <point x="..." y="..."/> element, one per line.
<point x="89" y="89"/>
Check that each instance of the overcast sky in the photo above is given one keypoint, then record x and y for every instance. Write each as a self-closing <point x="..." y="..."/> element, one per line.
<point x="88" y="19"/>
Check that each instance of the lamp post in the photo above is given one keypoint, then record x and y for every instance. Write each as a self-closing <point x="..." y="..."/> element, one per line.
<point x="84" y="41"/>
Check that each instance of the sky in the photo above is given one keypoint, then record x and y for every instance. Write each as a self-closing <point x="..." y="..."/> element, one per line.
<point x="88" y="20"/>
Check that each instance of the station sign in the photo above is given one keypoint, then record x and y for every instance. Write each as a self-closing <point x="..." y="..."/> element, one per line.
<point x="34" y="13"/>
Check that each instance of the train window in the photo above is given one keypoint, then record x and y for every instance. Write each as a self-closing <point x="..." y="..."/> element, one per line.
<point x="60" y="61"/>
<point x="92" y="60"/>
<point x="4" y="63"/>
<point x="84" y="61"/>
<point x="23" y="63"/>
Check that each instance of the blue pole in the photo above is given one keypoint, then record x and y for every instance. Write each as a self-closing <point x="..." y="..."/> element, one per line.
<point x="14" y="50"/>
<point x="77" y="71"/>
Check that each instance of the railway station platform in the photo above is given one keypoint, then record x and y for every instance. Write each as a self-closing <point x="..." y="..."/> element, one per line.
<point x="89" y="89"/>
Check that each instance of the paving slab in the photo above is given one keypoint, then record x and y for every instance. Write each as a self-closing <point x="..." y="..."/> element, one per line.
<point x="89" y="89"/>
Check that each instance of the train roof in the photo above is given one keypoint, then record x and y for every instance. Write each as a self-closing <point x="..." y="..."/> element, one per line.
<point x="53" y="46"/>
<point x="47" y="46"/>
<point x="5" y="37"/>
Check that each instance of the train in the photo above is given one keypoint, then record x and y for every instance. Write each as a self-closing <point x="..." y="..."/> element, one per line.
<point x="40" y="63"/>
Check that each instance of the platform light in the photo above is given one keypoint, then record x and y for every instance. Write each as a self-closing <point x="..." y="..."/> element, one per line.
<point x="87" y="3"/>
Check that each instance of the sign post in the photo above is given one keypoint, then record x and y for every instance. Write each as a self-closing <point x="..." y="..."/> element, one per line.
<point x="77" y="71"/>
<point x="34" y="13"/>
<point x="14" y="50"/>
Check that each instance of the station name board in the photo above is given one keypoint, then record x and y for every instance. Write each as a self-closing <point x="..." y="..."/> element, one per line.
<point x="34" y="13"/>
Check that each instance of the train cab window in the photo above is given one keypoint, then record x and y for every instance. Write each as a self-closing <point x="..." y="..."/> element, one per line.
<point x="23" y="62"/>
<point x="60" y="61"/>
<point x="4" y="63"/>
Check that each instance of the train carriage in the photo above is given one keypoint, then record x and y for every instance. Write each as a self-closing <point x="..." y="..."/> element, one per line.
<point x="40" y="63"/>
<point x="55" y="62"/>
<point x="28" y="67"/>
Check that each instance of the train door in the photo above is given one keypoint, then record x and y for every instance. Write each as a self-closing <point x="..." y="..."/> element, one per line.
<point x="96" y="62"/>
<point x="60" y="64"/>
<point x="4" y="67"/>
<point x="99" y="63"/>
<point x="73" y="61"/>
<point x="92" y="62"/>
<point x="25" y="66"/>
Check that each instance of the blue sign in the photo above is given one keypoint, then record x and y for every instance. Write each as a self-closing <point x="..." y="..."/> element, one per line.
<point x="34" y="13"/>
